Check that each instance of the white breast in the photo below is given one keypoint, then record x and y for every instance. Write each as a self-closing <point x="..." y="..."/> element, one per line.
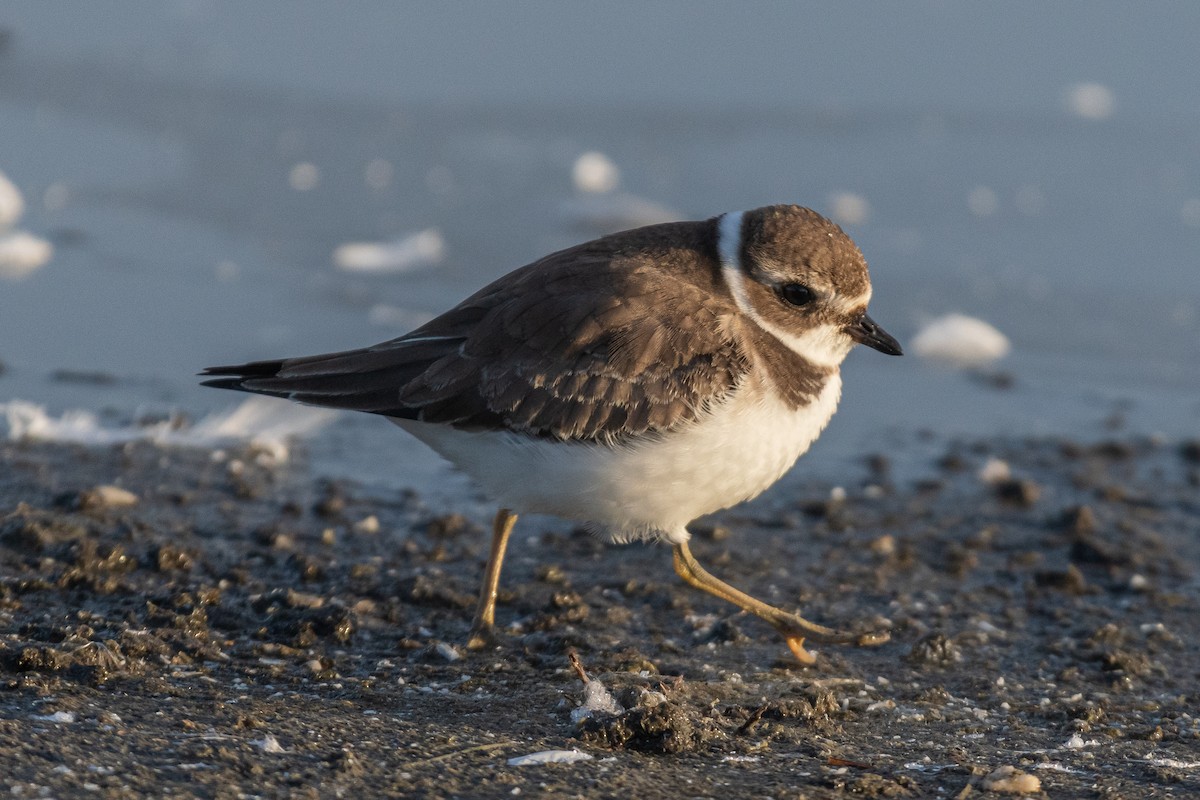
<point x="651" y="488"/>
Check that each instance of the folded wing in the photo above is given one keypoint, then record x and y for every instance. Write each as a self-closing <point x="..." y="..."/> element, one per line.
<point x="582" y="354"/>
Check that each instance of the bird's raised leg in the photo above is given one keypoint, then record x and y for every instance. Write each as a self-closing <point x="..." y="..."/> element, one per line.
<point x="794" y="628"/>
<point x="482" y="633"/>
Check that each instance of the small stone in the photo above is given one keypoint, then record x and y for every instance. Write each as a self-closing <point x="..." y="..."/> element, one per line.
<point x="1070" y="580"/>
<point x="1010" y="780"/>
<point x="304" y="599"/>
<point x="995" y="471"/>
<point x="268" y="744"/>
<point x="1080" y="520"/>
<point x="884" y="545"/>
<point x="367" y="525"/>
<point x="108" y="496"/>
<point x="1023" y="493"/>
<point x="447" y="651"/>
<point x="935" y="649"/>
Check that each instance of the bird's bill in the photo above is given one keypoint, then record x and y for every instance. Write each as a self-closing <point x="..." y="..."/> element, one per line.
<point x="867" y="331"/>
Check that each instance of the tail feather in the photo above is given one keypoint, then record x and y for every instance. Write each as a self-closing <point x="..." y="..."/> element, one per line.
<point x="235" y="376"/>
<point x="356" y="380"/>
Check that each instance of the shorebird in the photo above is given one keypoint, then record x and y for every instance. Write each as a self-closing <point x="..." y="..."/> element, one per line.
<point x="634" y="382"/>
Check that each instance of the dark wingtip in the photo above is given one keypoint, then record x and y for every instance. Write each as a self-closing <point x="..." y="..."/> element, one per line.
<point x="233" y="376"/>
<point x="223" y="383"/>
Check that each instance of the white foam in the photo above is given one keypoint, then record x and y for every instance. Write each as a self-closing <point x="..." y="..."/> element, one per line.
<point x="12" y="204"/>
<point x="267" y="424"/>
<point x="595" y="172"/>
<point x="596" y="700"/>
<point x="408" y="253"/>
<point x="960" y="341"/>
<point x="1091" y="100"/>
<point x="549" y="757"/>
<point x="22" y="254"/>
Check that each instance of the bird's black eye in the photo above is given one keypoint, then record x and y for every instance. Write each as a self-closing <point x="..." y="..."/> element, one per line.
<point x="797" y="294"/>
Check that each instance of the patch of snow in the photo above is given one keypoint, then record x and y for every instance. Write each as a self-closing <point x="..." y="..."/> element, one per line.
<point x="62" y="717"/>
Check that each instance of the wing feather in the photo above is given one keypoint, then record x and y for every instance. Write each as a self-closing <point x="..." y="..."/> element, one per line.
<point x="591" y="343"/>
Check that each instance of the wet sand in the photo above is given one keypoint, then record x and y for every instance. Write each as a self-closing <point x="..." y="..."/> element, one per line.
<point x="235" y="629"/>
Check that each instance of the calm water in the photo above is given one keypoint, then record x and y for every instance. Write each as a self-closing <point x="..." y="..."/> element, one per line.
<point x="197" y="163"/>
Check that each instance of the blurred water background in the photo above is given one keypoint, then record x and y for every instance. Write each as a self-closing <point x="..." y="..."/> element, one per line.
<point x="223" y="181"/>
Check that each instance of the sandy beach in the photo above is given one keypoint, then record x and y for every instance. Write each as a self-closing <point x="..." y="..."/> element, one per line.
<point x="201" y="597"/>
<point x="218" y="628"/>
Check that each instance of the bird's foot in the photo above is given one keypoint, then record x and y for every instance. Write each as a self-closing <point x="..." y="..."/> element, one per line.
<point x="795" y="629"/>
<point x="482" y="637"/>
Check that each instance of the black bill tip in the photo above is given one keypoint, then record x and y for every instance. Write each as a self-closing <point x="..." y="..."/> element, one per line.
<point x="867" y="331"/>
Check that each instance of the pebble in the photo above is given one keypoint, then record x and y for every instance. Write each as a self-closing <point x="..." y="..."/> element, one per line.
<point x="368" y="525"/>
<point x="268" y="744"/>
<point x="995" y="471"/>
<point x="447" y="651"/>
<point x="108" y="496"/>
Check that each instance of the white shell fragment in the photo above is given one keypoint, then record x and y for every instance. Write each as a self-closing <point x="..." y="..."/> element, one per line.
<point x="22" y="253"/>
<point x="549" y="757"/>
<point x="960" y="341"/>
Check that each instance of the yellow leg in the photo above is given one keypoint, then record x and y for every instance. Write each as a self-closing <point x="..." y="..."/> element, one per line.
<point x="794" y="628"/>
<point x="485" y="612"/>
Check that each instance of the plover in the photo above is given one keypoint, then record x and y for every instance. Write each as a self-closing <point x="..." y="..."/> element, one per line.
<point x="634" y="382"/>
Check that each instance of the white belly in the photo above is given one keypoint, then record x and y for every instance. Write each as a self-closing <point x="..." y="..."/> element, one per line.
<point x="650" y="488"/>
